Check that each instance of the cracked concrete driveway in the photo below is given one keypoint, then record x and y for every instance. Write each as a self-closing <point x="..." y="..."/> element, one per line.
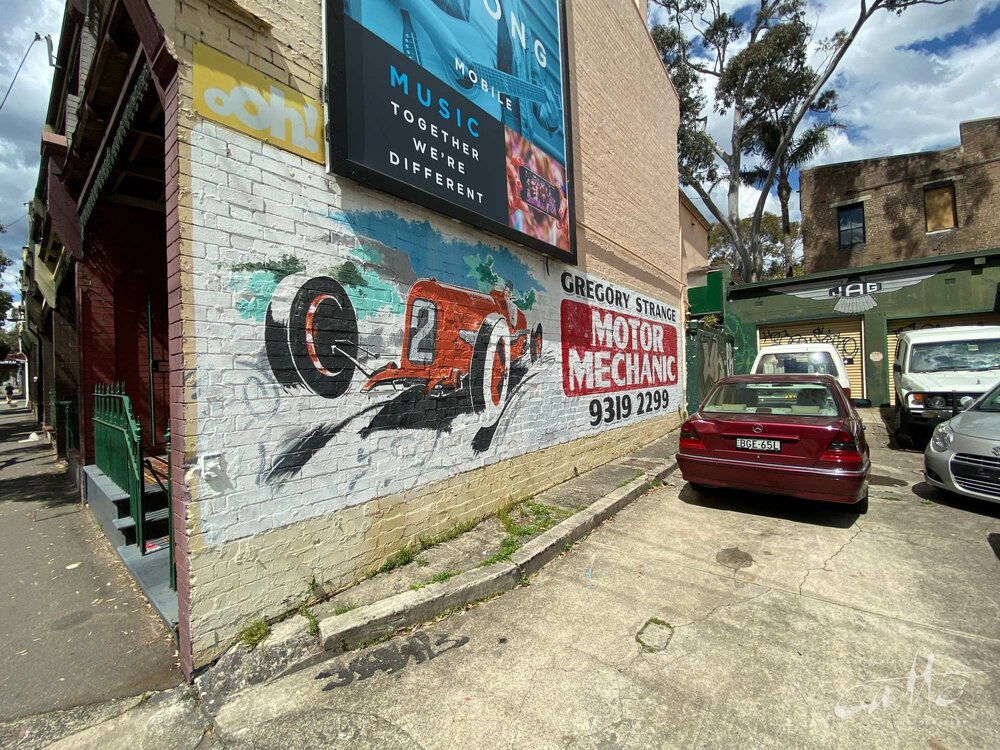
<point x="693" y="620"/>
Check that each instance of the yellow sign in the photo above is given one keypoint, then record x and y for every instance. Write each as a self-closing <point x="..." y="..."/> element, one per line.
<point x="236" y="95"/>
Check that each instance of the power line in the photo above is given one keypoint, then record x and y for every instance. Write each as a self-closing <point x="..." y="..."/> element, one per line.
<point x="5" y="227"/>
<point x="38" y="38"/>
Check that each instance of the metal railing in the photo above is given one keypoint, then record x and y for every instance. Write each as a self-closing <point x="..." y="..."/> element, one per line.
<point x="118" y="450"/>
<point x="65" y="414"/>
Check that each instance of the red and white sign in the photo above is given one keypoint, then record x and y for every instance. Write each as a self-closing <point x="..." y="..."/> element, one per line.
<point x="606" y="351"/>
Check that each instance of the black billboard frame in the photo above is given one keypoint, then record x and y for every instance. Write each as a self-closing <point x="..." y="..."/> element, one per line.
<point x="337" y="143"/>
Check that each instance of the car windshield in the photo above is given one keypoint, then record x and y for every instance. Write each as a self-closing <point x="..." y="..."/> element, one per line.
<point x="951" y="356"/>
<point x="990" y="401"/>
<point x="793" y="363"/>
<point x="807" y="399"/>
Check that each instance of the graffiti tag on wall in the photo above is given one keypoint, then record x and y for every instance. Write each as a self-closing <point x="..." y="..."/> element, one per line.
<point x="846" y="345"/>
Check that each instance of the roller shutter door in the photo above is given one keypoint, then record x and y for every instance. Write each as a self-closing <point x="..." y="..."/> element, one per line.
<point x="843" y="333"/>
<point x="895" y="327"/>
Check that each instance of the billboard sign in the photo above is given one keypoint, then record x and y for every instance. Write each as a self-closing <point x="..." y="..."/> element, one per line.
<point x="460" y="106"/>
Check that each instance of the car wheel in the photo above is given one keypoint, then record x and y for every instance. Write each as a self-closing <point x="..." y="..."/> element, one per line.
<point x="490" y="374"/>
<point x="861" y="506"/>
<point x="311" y="335"/>
<point x="536" y="344"/>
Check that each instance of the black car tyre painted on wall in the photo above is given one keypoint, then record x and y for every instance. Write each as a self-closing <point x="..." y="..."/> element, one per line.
<point x="490" y="374"/>
<point x="311" y="335"/>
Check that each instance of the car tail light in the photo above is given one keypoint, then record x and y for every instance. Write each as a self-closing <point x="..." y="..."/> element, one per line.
<point x="689" y="438"/>
<point x="842" y="452"/>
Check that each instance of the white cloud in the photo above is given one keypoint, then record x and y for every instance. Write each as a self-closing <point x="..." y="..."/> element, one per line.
<point x="22" y="116"/>
<point x="897" y="100"/>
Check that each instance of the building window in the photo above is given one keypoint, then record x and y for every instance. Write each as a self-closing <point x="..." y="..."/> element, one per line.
<point x="851" y="224"/>
<point x="939" y="207"/>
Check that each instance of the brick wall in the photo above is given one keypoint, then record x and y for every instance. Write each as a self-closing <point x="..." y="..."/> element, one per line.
<point x="892" y="191"/>
<point x="283" y="486"/>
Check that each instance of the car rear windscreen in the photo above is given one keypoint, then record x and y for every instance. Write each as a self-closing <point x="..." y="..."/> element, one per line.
<point x="796" y="363"/>
<point x="806" y="399"/>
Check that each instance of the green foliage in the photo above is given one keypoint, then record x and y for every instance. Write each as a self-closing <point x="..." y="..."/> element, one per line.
<point x="313" y="627"/>
<point x="378" y="639"/>
<point x="6" y="301"/>
<point x="286" y="266"/>
<point x="721" y="250"/>
<point x="254" y="633"/>
<point x="443" y="576"/>
<point x="533" y="518"/>
<point x="343" y="609"/>
<point x="8" y="342"/>
<point x="426" y="542"/>
<point x="766" y="72"/>
<point x="403" y="557"/>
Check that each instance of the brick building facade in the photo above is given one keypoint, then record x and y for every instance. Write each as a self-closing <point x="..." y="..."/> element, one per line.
<point x="283" y="468"/>
<point x="899" y="208"/>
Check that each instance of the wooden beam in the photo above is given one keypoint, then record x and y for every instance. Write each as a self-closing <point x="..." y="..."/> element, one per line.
<point x="64" y="214"/>
<point x="153" y="42"/>
<point x="123" y="96"/>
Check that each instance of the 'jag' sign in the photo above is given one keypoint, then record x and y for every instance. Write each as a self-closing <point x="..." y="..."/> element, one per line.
<point x="856" y="289"/>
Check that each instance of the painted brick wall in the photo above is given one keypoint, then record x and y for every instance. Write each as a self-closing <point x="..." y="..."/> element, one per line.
<point x="283" y="485"/>
<point x="892" y="190"/>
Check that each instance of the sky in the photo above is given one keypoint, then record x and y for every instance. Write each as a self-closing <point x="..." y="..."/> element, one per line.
<point x="904" y="86"/>
<point x="22" y="116"/>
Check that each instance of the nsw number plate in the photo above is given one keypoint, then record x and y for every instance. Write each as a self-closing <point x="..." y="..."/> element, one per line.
<point x="755" y="444"/>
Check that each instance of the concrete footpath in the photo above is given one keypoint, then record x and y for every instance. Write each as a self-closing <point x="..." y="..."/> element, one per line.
<point x="692" y="619"/>
<point x="73" y="629"/>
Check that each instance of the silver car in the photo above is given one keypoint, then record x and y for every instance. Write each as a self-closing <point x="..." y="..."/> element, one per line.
<point x="963" y="455"/>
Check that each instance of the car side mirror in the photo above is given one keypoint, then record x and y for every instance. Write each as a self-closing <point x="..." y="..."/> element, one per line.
<point x="897" y="368"/>
<point x="862" y="403"/>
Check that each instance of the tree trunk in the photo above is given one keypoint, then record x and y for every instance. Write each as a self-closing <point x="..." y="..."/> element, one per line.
<point x="784" y="196"/>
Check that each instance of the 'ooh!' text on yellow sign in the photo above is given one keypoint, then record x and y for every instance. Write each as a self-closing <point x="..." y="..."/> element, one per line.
<point x="236" y="95"/>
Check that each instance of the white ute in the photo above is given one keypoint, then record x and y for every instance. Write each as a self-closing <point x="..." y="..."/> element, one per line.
<point x="940" y="371"/>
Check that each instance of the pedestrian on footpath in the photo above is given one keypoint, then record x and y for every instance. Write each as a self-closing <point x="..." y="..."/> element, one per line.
<point x="10" y="394"/>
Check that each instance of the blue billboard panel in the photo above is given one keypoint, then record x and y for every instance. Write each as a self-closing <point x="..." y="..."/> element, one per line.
<point x="459" y="105"/>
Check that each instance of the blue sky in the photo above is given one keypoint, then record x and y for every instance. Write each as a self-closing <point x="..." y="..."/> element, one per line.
<point x="22" y="116"/>
<point x="904" y="86"/>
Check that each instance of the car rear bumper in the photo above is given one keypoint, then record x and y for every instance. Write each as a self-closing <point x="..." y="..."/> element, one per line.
<point x="827" y="485"/>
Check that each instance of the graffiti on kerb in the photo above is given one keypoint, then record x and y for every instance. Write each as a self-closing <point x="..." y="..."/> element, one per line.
<point x="390" y="659"/>
<point x="401" y="356"/>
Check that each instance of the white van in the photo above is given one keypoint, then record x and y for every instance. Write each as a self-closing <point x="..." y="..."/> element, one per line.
<point x="940" y="371"/>
<point x="794" y="359"/>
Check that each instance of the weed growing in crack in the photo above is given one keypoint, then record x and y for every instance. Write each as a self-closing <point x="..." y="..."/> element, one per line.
<point x="343" y="609"/>
<point x="532" y="518"/>
<point x="404" y="557"/>
<point x="313" y="627"/>
<point x="254" y="633"/>
<point x="378" y="639"/>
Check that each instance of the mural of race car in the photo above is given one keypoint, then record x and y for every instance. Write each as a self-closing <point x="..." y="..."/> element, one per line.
<point x="455" y="340"/>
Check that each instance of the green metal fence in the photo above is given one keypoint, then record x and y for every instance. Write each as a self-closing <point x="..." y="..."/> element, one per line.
<point x="66" y="421"/>
<point x="118" y="449"/>
<point x="709" y="357"/>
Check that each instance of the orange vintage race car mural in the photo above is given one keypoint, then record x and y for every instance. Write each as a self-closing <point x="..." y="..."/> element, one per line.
<point x="462" y="346"/>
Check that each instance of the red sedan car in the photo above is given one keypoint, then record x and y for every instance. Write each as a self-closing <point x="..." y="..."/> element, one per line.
<point x="796" y="435"/>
